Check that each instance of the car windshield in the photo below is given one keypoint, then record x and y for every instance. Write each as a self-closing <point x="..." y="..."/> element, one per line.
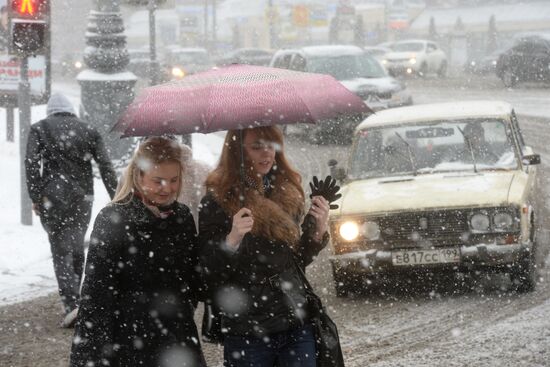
<point x="408" y="47"/>
<point x="446" y="146"/>
<point x="190" y="58"/>
<point x="345" y="67"/>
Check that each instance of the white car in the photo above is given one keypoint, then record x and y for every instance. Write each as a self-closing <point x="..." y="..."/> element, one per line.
<point x="357" y="71"/>
<point x="416" y="57"/>
<point x="447" y="187"/>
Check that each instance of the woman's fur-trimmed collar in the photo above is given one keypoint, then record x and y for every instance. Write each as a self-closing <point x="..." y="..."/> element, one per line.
<point x="277" y="215"/>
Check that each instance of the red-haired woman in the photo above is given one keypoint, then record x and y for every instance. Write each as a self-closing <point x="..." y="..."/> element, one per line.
<point x="250" y="243"/>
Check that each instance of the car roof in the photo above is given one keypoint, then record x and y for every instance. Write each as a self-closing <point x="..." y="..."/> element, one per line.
<point x="188" y="49"/>
<point x="331" y="50"/>
<point x="437" y="112"/>
<point x="414" y="41"/>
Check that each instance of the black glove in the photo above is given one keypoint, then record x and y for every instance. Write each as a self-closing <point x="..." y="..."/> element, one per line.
<point x="326" y="188"/>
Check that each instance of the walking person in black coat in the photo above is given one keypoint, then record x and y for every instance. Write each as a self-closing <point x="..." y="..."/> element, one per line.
<point x="58" y="165"/>
<point x="250" y="253"/>
<point x="140" y="287"/>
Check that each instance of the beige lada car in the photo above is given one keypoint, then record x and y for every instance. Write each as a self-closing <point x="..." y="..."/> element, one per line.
<point x="447" y="186"/>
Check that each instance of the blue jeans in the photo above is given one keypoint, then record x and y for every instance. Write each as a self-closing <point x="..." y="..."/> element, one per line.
<point x="293" y="348"/>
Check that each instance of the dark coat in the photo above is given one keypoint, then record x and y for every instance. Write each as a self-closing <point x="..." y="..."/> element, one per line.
<point x="64" y="145"/>
<point x="140" y="289"/>
<point x="247" y="283"/>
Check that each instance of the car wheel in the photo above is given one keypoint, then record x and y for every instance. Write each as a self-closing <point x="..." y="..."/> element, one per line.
<point x="442" y="72"/>
<point x="524" y="275"/>
<point x="509" y="78"/>
<point x="423" y="71"/>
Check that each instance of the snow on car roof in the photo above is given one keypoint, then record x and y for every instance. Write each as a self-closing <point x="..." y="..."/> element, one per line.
<point x="331" y="50"/>
<point x="437" y="111"/>
<point x="412" y="41"/>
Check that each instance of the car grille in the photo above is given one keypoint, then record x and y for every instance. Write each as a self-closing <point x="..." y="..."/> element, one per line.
<point x="399" y="60"/>
<point x="368" y="95"/>
<point x="433" y="228"/>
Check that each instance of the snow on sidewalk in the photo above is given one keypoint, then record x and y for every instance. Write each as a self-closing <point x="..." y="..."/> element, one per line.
<point x="26" y="267"/>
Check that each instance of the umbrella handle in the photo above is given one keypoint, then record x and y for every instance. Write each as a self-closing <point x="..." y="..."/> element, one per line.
<point x="241" y="169"/>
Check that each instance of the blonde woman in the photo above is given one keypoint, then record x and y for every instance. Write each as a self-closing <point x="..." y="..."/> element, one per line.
<point x="140" y="286"/>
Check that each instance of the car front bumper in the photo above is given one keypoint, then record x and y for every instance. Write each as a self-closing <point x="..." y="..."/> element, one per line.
<point x="398" y="68"/>
<point x="471" y="257"/>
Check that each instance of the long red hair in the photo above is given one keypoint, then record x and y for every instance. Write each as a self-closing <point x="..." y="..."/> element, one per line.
<point x="224" y="181"/>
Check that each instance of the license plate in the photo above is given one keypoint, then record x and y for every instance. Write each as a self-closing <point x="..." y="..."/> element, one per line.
<point x="425" y="257"/>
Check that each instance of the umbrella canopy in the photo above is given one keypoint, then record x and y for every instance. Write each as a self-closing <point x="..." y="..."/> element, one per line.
<point x="237" y="97"/>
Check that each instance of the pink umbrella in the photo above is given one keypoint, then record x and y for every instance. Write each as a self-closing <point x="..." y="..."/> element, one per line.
<point x="237" y="97"/>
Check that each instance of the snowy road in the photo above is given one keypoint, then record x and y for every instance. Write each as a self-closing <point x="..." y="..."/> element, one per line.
<point x="480" y="322"/>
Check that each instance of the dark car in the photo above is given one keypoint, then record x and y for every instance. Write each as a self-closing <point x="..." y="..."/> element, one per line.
<point x="250" y="56"/>
<point x="484" y="65"/>
<point x="180" y="62"/>
<point x="527" y="61"/>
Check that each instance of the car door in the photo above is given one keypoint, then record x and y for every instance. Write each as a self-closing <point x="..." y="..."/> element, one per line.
<point x="541" y="60"/>
<point x="432" y="57"/>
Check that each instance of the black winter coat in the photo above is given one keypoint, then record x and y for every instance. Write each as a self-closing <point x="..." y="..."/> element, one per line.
<point x="64" y="145"/>
<point x="140" y="289"/>
<point x="246" y="284"/>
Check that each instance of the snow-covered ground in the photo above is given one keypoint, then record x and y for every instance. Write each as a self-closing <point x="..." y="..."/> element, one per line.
<point x="26" y="268"/>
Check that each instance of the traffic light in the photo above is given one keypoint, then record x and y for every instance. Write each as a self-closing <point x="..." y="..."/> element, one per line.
<point x="28" y="25"/>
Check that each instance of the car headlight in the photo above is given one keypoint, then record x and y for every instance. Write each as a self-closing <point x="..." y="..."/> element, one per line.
<point x="503" y="222"/>
<point x="371" y="231"/>
<point x="384" y="61"/>
<point x="178" y="72"/>
<point x="349" y="231"/>
<point x="480" y="222"/>
<point x="412" y="61"/>
<point x="78" y="64"/>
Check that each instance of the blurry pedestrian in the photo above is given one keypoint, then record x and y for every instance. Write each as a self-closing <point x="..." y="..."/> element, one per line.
<point x="140" y="287"/>
<point x="58" y="164"/>
<point x="250" y="254"/>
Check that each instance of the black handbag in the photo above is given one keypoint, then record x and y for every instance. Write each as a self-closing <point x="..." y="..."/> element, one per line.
<point x="327" y="342"/>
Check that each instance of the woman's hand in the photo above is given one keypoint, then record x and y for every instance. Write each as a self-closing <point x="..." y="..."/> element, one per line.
<point x="242" y="224"/>
<point x="319" y="210"/>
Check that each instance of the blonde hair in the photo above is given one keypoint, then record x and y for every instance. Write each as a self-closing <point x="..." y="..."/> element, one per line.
<point x="153" y="151"/>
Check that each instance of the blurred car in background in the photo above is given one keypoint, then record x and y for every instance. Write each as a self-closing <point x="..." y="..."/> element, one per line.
<point x="70" y="64"/>
<point x="484" y="65"/>
<point x="434" y="189"/>
<point x="249" y="56"/>
<point x="180" y="61"/>
<point x="140" y="62"/>
<point x="377" y="52"/>
<point x="357" y="71"/>
<point x="416" y="57"/>
<point x="528" y="60"/>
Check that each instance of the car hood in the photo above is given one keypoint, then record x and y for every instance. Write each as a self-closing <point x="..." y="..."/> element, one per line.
<point x="400" y="55"/>
<point x="444" y="190"/>
<point x="385" y="84"/>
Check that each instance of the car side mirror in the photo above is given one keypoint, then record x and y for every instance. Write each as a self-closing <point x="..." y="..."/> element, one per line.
<point x="531" y="159"/>
<point x="338" y="173"/>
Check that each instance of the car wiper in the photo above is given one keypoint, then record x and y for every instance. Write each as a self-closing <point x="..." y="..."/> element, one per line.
<point x="470" y="148"/>
<point x="412" y="157"/>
